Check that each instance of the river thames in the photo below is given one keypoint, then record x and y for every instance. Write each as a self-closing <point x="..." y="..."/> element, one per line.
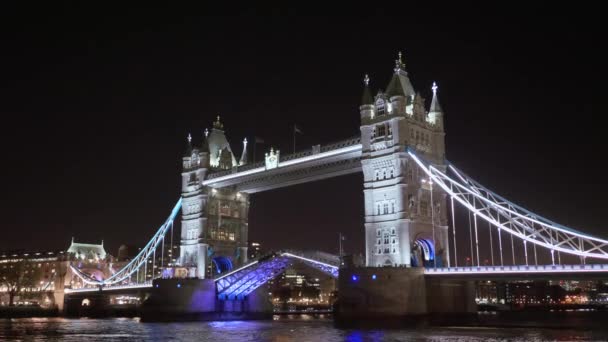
<point x="300" y="328"/>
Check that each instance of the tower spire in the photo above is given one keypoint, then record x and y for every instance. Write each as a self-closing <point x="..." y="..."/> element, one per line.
<point x="243" y="160"/>
<point x="399" y="63"/>
<point x="188" y="146"/>
<point x="218" y="124"/>
<point x="435" y="115"/>
<point x="367" y="98"/>
<point x="435" y="107"/>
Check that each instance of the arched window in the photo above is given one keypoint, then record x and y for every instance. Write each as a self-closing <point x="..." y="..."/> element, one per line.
<point x="385" y="208"/>
<point x="380" y="107"/>
<point x="381" y="129"/>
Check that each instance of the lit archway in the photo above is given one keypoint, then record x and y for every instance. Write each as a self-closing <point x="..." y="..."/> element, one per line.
<point x="222" y="264"/>
<point x="424" y="256"/>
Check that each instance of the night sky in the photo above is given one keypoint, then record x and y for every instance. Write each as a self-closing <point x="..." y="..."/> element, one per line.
<point x="96" y="105"/>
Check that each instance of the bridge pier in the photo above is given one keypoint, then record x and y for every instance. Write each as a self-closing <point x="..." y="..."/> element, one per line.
<point x="400" y="295"/>
<point x="196" y="299"/>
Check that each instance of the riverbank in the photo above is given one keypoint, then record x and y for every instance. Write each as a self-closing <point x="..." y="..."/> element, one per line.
<point x="27" y="311"/>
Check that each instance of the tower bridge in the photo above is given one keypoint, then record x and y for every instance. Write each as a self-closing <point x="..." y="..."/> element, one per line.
<point x="411" y="193"/>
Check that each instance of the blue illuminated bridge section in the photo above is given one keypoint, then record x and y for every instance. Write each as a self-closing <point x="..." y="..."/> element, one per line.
<point x="246" y="279"/>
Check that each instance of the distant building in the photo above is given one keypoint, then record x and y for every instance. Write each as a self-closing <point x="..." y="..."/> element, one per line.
<point x="49" y="272"/>
<point x="254" y="250"/>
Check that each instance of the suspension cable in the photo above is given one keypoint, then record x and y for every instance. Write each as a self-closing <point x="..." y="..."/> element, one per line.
<point x="491" y="247"/>
<point x="471" y="239"/>
<point x="476" y="239"/>
<point x="526" y="251"/>
<point x="433" y="226"/>
<point x="454" y="232"/>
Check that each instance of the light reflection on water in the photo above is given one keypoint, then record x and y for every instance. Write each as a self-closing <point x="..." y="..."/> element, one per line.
<point x="281" y="329"/>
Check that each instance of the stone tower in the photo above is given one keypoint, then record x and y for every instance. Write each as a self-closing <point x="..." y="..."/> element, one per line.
<point x="399" y="213"/>
<point x="214" y="221"/>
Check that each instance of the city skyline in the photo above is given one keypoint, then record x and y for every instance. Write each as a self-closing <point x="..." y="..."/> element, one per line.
<point x="100" y="124"/>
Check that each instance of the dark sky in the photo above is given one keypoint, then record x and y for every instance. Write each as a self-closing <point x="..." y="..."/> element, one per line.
<point x="96" y="104"/>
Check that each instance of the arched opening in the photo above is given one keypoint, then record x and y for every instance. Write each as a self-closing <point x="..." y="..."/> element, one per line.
<point x="86" y="302"/>
<point x="424" y="253"/>
<point x="222" y="264"/>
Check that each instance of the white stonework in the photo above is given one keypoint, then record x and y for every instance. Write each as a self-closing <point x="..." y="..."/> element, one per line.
<point x="397" y="202"/>
<point x="214" y="221"/>
<point x="405" y="218"/>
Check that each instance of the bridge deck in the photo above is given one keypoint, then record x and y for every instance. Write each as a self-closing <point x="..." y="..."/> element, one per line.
<point x="318" y="163"/>
<point x="565" y="272"/>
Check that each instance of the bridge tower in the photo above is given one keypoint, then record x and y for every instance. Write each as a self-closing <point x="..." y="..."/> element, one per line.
<point x="399" y="213"/>
<point x="214" y="221"/>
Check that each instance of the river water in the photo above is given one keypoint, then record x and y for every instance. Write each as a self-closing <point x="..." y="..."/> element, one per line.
<point x="281" y="329"/>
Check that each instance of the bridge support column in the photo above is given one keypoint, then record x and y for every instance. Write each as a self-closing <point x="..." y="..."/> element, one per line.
<point x="384" y="295"/>
<point x="196" y="299"/>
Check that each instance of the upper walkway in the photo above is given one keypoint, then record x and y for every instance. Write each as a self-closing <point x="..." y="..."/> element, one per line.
<point x="319" y="162"/>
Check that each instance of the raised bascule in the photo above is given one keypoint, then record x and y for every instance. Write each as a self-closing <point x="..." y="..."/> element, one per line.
<point x="411" y="193"/>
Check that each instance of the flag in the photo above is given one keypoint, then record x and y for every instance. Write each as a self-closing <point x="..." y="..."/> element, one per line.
<point x="259" y="140"/>
<point x="296" y="129"/>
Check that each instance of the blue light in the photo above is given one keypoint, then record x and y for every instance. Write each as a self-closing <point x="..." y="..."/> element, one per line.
<point x="156" y="285"/>
<point x="373" y="276"/>
<point x="355" y="278"/>
<point x="179" y="285"/>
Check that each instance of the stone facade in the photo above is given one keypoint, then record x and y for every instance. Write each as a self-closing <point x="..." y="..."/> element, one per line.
<point x="214" y="221"/>
<point x="404" y="219"/>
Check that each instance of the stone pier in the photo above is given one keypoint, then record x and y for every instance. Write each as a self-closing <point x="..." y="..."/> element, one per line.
<point x="400" y="295"/>
<point x="196" y="299"/>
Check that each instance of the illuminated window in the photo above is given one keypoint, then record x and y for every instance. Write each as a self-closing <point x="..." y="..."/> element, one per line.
<point x="231" y="236"/>
<point x="380" y="107"/>
<point x="381" y="130"/>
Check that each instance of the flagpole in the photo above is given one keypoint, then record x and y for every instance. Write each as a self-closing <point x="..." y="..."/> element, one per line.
<point x="255" y="142"/>
<point x="294" y="138"/>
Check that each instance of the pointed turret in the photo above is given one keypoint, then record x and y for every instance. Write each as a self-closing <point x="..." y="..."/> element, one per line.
<point x="435" y="116"/>
<point x="400" y="83"/>
<point x="205" y="142"/>
<point x="188" y="151"/>
<point x="435" y="107"/>
<point x="220" y="153"/>
<point x="367" y="101"/>
<point x="243" y="160"/>
<point x="367" y="98"/>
